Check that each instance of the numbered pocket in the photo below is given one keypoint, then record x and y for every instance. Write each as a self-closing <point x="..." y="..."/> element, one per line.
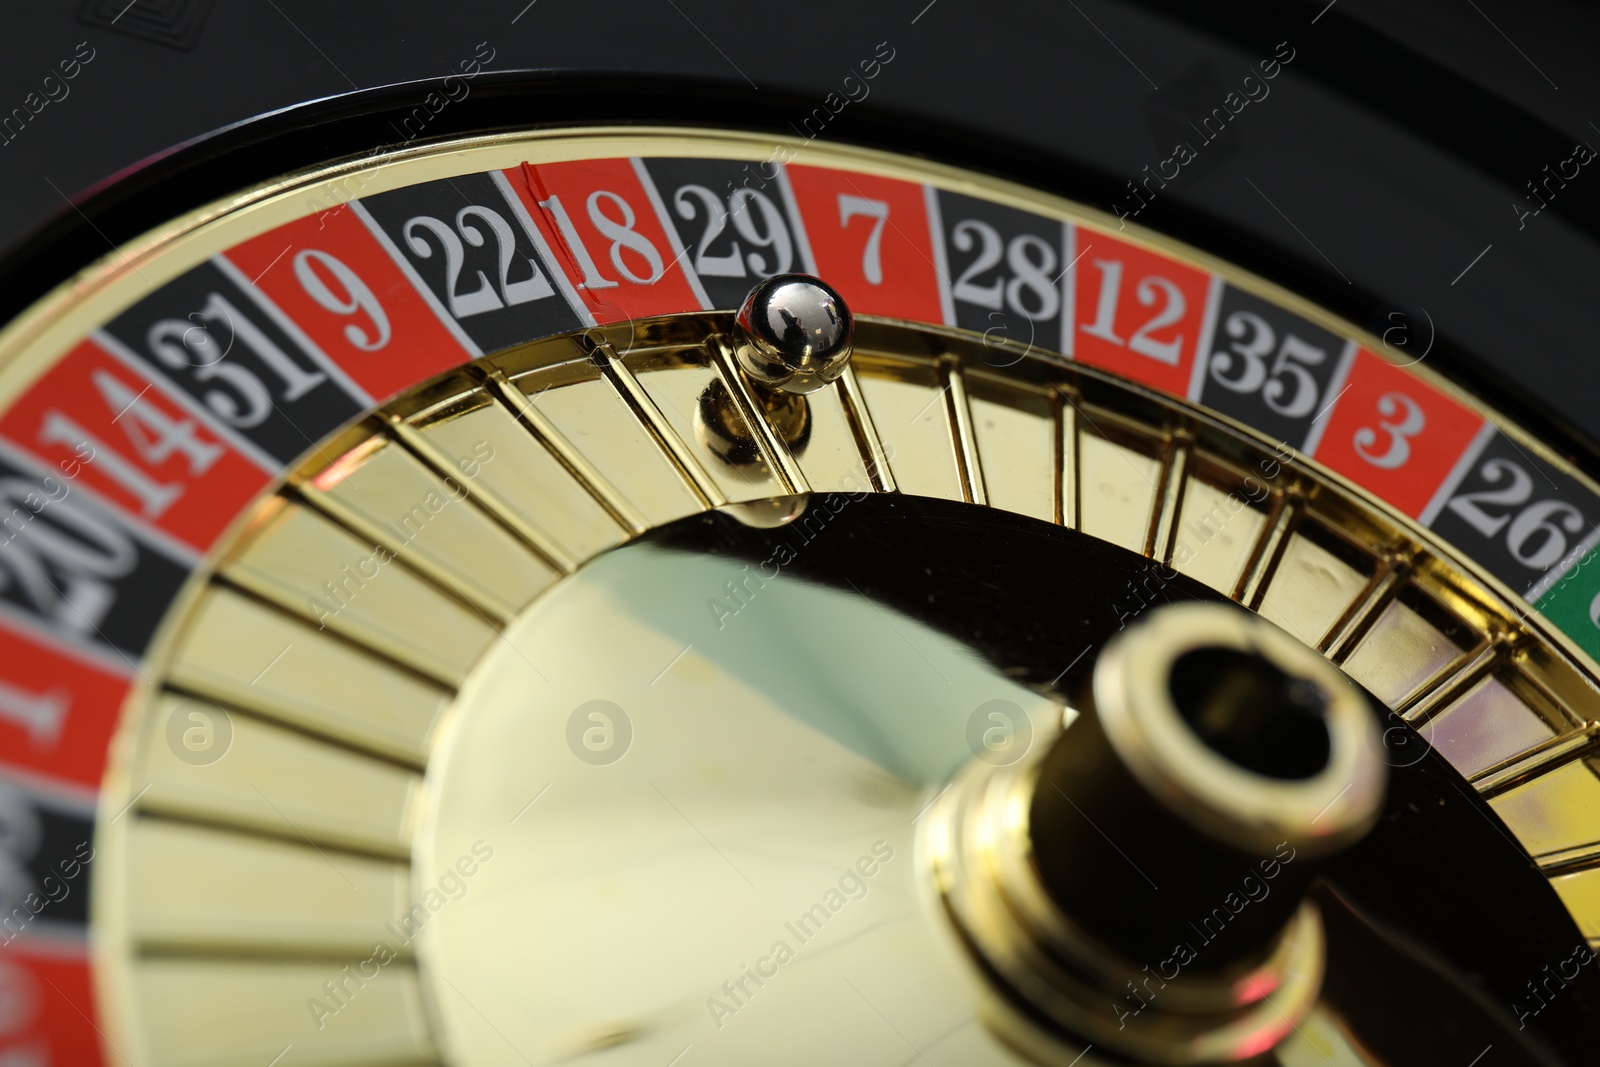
<point x="475" y="251"/>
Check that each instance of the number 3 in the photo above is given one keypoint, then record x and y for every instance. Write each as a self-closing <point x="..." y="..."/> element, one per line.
<point x="1400" y="433"/>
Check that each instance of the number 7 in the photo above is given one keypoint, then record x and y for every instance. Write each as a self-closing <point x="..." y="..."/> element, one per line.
<point x="871" y="256"/>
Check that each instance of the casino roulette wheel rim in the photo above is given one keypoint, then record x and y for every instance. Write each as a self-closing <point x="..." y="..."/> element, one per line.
<point x="976" y="352"/>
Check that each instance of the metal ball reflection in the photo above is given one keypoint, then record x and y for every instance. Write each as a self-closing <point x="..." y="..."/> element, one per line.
<point x="795" y="333"/>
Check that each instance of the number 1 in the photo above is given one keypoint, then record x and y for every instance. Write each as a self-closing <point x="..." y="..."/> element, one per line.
<point x="38" y="713"/>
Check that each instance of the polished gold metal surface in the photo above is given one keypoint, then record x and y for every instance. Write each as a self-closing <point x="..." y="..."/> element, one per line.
<point x="239" y="906"/>
<point x="1051" y="975"/>
<point x="1060" y="993"/>
<point x="1315" y="812"/>
<point x="415" y="725"/>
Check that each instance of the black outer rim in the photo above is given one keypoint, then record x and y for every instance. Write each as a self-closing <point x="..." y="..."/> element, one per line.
<point x="350" y="125"/>
<point x="361" y="123"/>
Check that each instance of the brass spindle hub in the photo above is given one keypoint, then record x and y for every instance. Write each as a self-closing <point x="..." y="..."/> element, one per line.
<point x="1139" y="886"/>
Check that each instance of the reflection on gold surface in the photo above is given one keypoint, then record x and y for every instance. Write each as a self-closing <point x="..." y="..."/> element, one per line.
<point x="246" y="654"/>
<point x="1216" y="531"/>
<point x="1310" y="589"/>
<point x="1117" y="490"/>
<point x="1580" y="892"/>
<point x="392" y="499"/>
<point x="1322" y="1041"/>
<point x="600" y="425"/>
<point x="1488" y="725"/>
<point x="253" y="895"/>
<point x="677" y="388"/>
<point x="281" y="782"/>
<point x="306" y="565"/>
<point x="466" y="653"/>
<point x="529" y="484"/>
<point x="752" y="782"/>
<point x="912" y="423"/>
<point x="233" y="1013"/>
<point x="1559" y="811"/>
<point x="1015" y="441"/>
<point x="333" y="718"/>
<point x="1401" y="651"/>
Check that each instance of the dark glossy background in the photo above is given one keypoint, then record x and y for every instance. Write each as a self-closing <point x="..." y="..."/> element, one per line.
<point x="1387" y="156"/>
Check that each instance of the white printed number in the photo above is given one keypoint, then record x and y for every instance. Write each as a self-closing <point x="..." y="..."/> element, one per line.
<point x="477" y="226"/>
<point x="1285" y="385"/>
<point x="21" y="834"/>
<point x="621" y="234"/>
<point x="199" y="344"/>
<point x="40" y="714"/>
<point x="155" y="436"/>
<point x="1400" y="416"/>
<point x="872" y="253"/>
<point x="1030" y="291"/>
<point x="1160" y="294"/>
<point x="353" y="295"/>
<point x="64" y="561"/>
<point x="1535" y="533"/>
<point x="756" y="221"/>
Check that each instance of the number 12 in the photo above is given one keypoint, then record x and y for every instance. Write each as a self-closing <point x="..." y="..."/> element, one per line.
<point x="1149" y="291"/>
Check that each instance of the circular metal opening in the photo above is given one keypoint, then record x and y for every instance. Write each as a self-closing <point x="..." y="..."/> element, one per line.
<point x="1251" y="712"/>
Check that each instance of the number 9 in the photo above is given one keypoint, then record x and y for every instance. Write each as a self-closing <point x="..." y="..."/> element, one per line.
<point x="356" y="297"/>
<point x="775" y="235"/>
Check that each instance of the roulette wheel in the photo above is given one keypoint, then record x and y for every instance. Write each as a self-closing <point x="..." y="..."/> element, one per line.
<point x="668" y="533"/>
